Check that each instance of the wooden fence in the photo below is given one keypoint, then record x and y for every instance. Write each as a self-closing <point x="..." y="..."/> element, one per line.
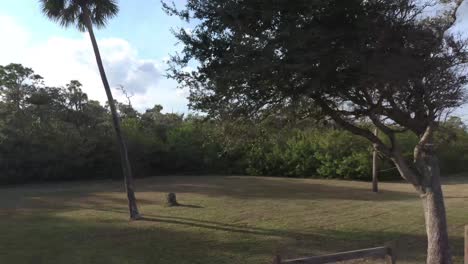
<point x="378" y="252"/>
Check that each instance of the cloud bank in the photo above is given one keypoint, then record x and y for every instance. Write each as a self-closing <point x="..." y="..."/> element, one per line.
<point x="61" y="59"/>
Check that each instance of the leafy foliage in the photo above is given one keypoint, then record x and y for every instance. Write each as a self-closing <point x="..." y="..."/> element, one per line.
<point x="57" y="133"/>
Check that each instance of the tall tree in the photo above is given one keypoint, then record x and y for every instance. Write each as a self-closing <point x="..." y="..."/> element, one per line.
<point x="84" y="14"/>
<point x="373" y="60"/>
<point x="16" y="84"/>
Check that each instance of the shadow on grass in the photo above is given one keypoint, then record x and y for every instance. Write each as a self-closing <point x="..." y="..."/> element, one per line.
<point x="241" y="187"/>
<point x="455" y="179"/>
<point x="408" y="247"/>
<point x="51" y="239"/>
<point x="189" y="206"/>
<point x="292" y="244"/>
<point x="455" y="197"/>
<point x="275" y="188"/>
<point x="58" y="240"/>
<point x="174" y="239"/>
<point x="244" y="188"/>
<point x="222" y="227"/>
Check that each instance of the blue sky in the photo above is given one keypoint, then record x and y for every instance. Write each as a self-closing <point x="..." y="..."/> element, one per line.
<point x="138" y="39"/>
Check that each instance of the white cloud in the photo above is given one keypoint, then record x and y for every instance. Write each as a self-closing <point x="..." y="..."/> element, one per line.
<point x="461" y="23"/>
<point x="61" y="59"/>
<point x="14" y="38"/>
<point x="434" y="8"/>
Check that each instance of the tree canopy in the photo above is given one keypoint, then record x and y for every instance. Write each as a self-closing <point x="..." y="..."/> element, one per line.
<point x="354" y="60"/>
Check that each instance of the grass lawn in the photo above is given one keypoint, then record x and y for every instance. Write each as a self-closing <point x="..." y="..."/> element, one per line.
<point x="242" y="220"/>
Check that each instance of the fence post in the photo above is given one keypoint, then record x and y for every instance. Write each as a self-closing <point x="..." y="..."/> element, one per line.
<point x="391" y="252"/>
<point x="466" y="244"/>
<point x="277" y="260"/>
<point x="390" y="258"/>
<point x="375" y="165"/>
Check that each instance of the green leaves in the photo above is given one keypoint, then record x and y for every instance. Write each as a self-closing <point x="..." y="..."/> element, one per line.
<point x="354" y="60"/>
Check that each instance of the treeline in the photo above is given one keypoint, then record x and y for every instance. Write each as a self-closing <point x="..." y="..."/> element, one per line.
<point x="57" y="133"/>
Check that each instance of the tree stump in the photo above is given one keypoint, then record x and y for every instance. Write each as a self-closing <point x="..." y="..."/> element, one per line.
<point x="171" y="200"/>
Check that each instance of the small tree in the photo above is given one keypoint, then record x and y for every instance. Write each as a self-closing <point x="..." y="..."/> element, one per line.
<point x="358" y="61"/>
<point x="84" y="14"/>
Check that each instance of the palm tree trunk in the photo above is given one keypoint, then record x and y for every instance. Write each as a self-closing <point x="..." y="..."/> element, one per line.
<point x="127" y="170"/>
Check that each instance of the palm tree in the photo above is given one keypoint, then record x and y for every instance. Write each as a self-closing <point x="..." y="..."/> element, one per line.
<point x="84" y="14"/>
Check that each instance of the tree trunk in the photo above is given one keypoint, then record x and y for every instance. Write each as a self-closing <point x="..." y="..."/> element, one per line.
<point x="126" y="168"/>
<point x="426" y="180"/>
<point x="375" y="166"/>
<point x="438" y="248"/>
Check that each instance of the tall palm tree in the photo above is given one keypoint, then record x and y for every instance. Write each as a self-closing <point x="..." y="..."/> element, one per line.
<point x="84" y="14"/>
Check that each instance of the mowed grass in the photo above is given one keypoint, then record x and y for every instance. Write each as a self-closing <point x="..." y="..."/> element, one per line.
<point x="223" y="220"/>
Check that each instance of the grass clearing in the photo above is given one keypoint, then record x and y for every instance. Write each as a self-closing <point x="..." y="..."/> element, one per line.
<point x="242" y="220"/>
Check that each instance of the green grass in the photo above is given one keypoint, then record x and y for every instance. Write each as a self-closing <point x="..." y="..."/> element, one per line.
<point x="243" y="220"/>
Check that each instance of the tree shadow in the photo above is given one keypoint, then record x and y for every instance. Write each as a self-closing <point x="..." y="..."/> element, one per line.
<point x="239" y="187"/>
<point x="455" y="197"/>
<point x="408" y="247"/>
<point x="242" y="241"/>
<point x="243" y="187"/>
<point x="455" y="180"/>
<point x="220" y="226"/>
<point x="189" y="206"/>
<point x="60" y="240"/>
<point x="103" y="193"/>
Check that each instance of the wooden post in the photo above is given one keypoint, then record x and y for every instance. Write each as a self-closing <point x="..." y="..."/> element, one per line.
<point x="375" y="166"/>
<point x="391" y="258"/>
<point x="277" y="260"/>
<point x="466" y="244"/>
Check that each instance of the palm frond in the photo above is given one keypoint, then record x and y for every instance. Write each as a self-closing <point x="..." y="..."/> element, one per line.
<point x="102" y="11"/>
<point x="71" y="12"/>
<point x="52" y="8"/>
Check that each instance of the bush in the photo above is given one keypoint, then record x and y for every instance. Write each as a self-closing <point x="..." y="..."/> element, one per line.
<point x="319" y="153"/>
<point x="342" y="155"/>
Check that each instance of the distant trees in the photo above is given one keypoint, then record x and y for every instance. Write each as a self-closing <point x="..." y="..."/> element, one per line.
<point x="60" y="134"/>
<point x="354" y="61"/>
<point x="85" y="15"/>
<point x="47" y="132"/>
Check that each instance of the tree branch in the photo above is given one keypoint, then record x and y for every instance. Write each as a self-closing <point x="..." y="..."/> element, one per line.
<point x="381" y="147"/>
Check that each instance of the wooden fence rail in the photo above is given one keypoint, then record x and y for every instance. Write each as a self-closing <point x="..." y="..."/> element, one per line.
<point x="378" y="252"/>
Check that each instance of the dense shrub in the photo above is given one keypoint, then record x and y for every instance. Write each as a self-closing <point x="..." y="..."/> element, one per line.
<point x="49" y="133"/>
<point x="325" y="153"/>
<point x="343" y="155"/>
<point x="453" y="147"/>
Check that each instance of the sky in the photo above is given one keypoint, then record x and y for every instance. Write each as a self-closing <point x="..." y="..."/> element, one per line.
<point x="135" y="47"/>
